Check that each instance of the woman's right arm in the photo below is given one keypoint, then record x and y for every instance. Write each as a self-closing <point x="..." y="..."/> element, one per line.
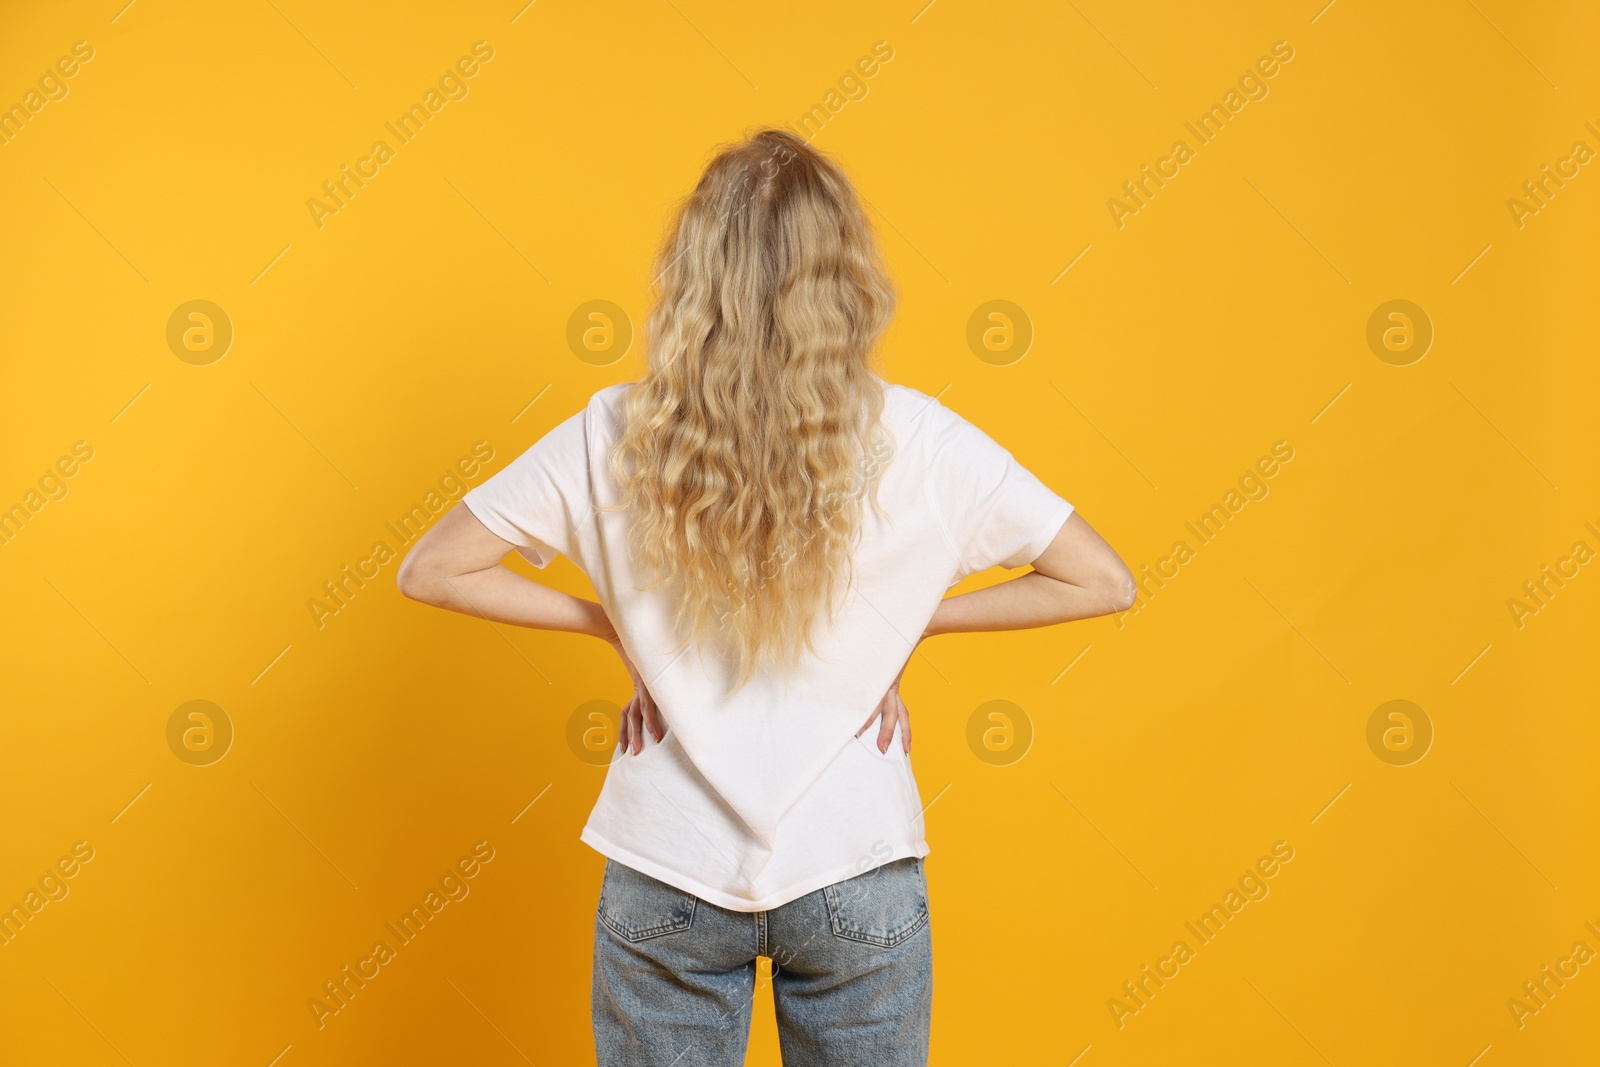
<point x="1078" y="576"/>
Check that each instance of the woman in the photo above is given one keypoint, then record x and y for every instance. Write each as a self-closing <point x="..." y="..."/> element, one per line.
<point x="770" y="528"/>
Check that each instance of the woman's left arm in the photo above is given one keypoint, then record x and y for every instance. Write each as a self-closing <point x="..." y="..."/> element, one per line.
<point x="456" y="565"/>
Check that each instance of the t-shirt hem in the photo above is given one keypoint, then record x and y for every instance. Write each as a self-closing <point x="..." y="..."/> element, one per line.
<point x="534" y="553"/>
<point x="721" y="899"/>
<point x="1041" y="541"/>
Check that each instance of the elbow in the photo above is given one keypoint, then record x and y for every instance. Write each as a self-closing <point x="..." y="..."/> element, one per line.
<point x="1121" y="592"/>
<point x="412" y="580"/>
<point x="406" y="580"/>
<point x="1125" y="596"/>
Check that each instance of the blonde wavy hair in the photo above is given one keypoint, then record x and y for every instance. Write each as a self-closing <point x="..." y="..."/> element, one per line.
<point x="755" y="432"/>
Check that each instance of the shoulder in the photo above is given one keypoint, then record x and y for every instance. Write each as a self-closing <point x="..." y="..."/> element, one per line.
<point x="603" y="415"/>
<point x="905" y="406"/>
<point x="610" y="398"/>
<point x="943" y="441"/>
<point x="918" y="417"/>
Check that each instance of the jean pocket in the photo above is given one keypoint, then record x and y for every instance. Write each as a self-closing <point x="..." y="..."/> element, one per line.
<point x="883" y="907"/>
<point x="637" y="907"/>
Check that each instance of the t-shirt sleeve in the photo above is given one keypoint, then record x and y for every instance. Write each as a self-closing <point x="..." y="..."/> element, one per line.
<point x="538" y="500"/>
<point x="996" y="511"/>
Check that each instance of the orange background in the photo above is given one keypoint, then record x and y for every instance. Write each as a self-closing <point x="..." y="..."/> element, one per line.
<point x="371" y="753"/>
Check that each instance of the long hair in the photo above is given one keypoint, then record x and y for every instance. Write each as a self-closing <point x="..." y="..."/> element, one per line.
<point x="749" y="443"/>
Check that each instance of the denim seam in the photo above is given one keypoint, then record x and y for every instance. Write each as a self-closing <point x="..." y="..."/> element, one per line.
<point x="882" y="941"/>
<point x="888" y="940"/>
<point x="644" y="933"/>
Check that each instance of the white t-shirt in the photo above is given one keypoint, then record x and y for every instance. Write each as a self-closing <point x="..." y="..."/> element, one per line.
<point x="760" y="798"/>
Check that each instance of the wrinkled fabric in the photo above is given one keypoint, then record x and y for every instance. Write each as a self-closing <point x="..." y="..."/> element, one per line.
<point x="757" y="798"/>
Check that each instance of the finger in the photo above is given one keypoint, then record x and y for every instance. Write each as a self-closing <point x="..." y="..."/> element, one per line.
<point x="630" y="715"/>
<point x="886" y="728"/>
<point x="652" y="718"/>
<point x="622" y="729"/>
<point x="905" y="725"/>
<point x="875" y="713"/>
<point x="636" y="728"/>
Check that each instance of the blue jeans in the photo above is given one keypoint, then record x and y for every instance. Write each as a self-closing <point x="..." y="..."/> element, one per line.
<point x="852" y="973"/>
